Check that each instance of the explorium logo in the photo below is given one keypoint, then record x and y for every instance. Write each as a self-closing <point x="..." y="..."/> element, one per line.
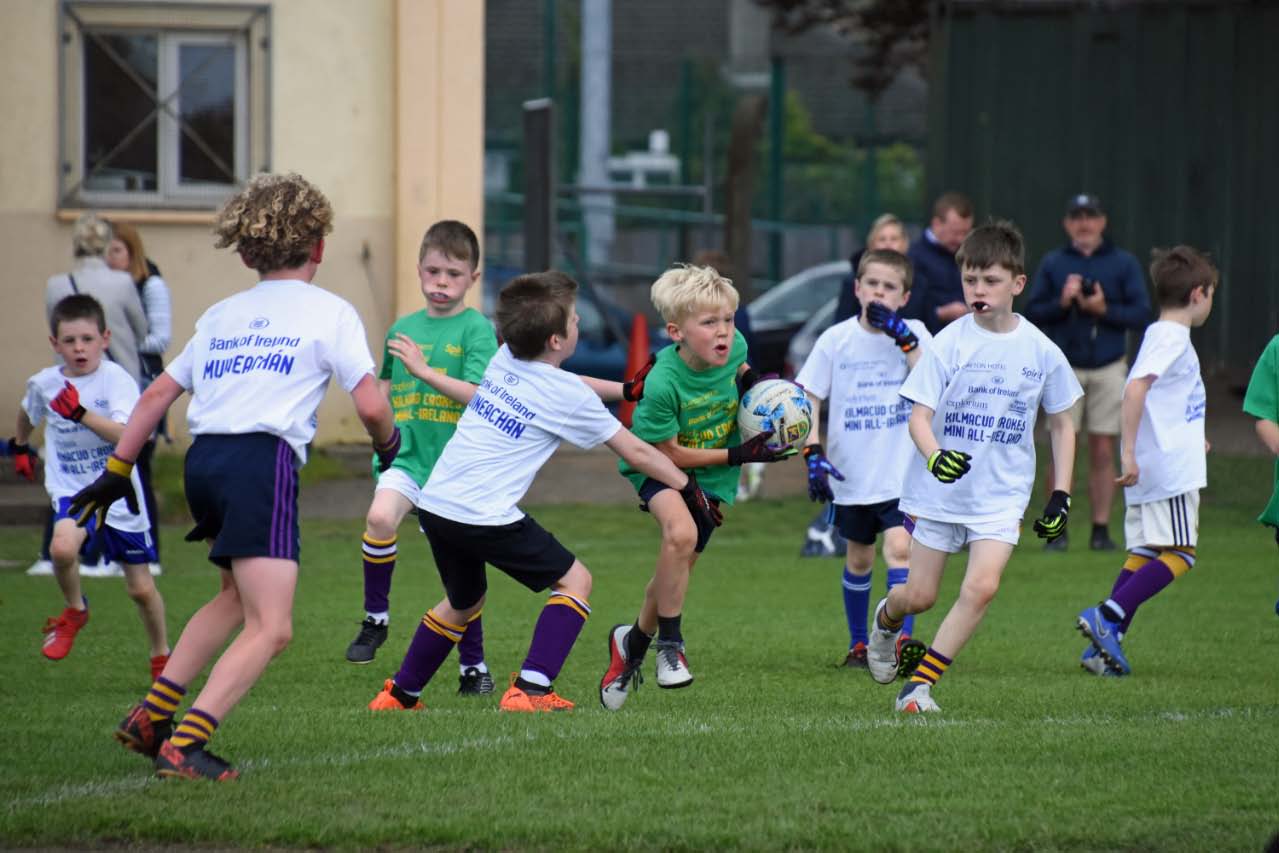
<point x="259" y="323"/>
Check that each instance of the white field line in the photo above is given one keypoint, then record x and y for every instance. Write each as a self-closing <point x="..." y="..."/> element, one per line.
<point x="680" y="728"/>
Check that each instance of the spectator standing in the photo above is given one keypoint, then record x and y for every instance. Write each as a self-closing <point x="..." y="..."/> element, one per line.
<point x="886" y="232"/>
<point x="1087" y="296"/>
<point x="125" y="253"/>
<point x="938" y="295"/>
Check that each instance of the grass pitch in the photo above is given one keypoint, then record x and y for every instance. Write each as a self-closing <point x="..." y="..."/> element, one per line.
<point x="772" y="747"/>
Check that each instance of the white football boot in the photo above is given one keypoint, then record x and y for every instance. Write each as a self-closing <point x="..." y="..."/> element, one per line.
<point x="881" y="650"/>
<point x="916" y="698"/>
<point x="672" y="666"/>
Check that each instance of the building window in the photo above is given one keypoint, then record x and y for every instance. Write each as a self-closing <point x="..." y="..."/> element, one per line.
<point x="163" y="105"/>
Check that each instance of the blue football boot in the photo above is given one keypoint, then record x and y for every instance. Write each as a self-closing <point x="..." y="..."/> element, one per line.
<point x="1104" y="635"/>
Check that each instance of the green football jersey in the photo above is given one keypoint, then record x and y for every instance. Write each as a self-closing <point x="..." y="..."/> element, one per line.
<point x="1262" y="401"/>
<point x="698" y="408"/>
<point x="459" y="346"/>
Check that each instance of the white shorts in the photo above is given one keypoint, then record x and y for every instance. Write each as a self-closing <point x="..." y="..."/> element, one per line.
<point x="398" y="481"/>
<point x="951" y="537"/>
<point x="1163" y="523"/>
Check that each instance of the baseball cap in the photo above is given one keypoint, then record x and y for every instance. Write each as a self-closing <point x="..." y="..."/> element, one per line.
<point x="1084" y="202"/>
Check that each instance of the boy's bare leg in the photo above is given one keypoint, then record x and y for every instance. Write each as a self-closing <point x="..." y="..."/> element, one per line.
<point x="919" y="593"/>
<point x="205" y="634"/>
<point x="986" y="561"/>
<point x="142" y="589"/>
<point x="266" y="586"/>
<point x="386" y="511"/>
<point x="64" y="551"/>
<point x="664" y="596"/>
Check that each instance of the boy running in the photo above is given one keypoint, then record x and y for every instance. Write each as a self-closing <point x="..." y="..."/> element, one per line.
<point x="429" y="358"/>
<point x="978" y="388"/>
<point x="85" y="402"/>
<point x="256" y="368"/>
<point x="859" y="365"/>
<point x="689" y="412"/>
<point x="1162" y="456"/>
<point x="524" y="407"/>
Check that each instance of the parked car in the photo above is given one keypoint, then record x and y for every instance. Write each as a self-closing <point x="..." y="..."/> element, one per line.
<point x="782" y="310"/>
<point x="803" y="341"/>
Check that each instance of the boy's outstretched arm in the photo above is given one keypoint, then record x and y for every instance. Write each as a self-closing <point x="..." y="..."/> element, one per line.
<point x="1061" y="434"/>
<point x="410" y="354"/>
<point x="146" y="416"/>
<point x="1268" y="432"/>
<point x="646" y="458"/>
<point x="375" y="413"/>
<point x="1130" y="419"/>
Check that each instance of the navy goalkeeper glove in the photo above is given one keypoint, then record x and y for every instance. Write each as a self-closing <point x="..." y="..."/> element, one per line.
<point x="97" y="497"/>
<point x="820" y="470"/>
<point x="887" y="321"/>
<point x="1052" y="524"/>
<point x="387" y="451"/>
<point x="757" y="450"/>
<point x="949" y="465"/>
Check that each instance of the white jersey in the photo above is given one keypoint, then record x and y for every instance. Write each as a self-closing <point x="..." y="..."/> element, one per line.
<point x="261" y="360"/>
<point x="519" y="414"/>
<point x="859" y="373"/>
<point x="1170" y="438"/>
<point x="74" y="454"/>
<point x="986" y="390"/>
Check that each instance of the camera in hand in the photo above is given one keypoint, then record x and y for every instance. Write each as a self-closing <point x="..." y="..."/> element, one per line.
<point x="1089" y="287"/>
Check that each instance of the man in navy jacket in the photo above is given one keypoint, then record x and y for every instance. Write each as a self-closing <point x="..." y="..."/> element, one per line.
<point x="1086" y="296"/>
<point x="937" y="296"/>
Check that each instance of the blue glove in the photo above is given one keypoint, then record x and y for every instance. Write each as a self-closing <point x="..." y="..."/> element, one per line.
<point x="819" y="472"/>
<point x="889" y="323"/>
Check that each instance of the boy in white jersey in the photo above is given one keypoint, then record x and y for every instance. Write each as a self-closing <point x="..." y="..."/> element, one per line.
<point x="524" y="407"/>
<point x="859" y="365"/>
<point x="257" y="368"/>
<point x="1162" y="454"/>
<point x="84" y="403"/>
<point x="976" y="393"/>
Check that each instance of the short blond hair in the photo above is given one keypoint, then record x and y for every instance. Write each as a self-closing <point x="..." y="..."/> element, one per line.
<point x="683" y="290"/>
<point x="274" y="222"/>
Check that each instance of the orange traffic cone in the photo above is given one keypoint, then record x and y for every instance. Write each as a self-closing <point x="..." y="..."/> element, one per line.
<point x="636" y="355"/>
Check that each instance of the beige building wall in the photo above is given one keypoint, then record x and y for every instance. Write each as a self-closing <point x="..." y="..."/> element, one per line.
<point x="343" y="110"/>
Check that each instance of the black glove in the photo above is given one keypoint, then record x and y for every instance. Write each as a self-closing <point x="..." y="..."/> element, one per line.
<point x="386" y="452"/>
<point x="948" y="465"/>
<point x="819" y="472"/>
<point x="747" y="380"/>
<point x="633" y="389"/>
<point x="702" y="508"/>
<point x="757" y="450"/>
<point x="1052" y="524"/>
<point x="97" y="497"/>
<point x="895" y="327"/>
<point x="24" y="459"/>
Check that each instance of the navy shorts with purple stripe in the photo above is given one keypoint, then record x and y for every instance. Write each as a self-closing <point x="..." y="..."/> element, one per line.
<point x="243" y="494"/>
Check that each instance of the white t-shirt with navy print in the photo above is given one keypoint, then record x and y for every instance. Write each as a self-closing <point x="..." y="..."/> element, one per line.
<point x="520" y="413"/>
<point x="985" y="389"/>
<point x="75" y="455"/>
<point x="260" y="361"/>
<point x="1171" y="459"/>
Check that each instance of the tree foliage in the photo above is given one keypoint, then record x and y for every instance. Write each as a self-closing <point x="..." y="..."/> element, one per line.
<point x="894" y="32"/>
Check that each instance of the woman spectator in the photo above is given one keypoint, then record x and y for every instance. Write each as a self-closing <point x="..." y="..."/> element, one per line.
<point x="125" y="253"/>
<point x="886" y="232"/>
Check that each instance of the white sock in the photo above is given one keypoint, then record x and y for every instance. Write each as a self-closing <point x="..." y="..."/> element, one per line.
<point x="532" y="676"/>
<point x="382" y="618"/>
<point x="481" y="666"/>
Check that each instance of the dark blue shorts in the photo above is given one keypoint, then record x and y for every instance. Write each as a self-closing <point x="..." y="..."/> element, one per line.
<point x="861" y="524"/>
<point x="131" y="549"/>
<point x="243" y="494"/>
<point x="522" y="549"/>
<point x="705" y="527"/>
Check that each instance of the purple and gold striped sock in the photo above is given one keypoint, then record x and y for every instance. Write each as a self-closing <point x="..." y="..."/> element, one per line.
<point x="1149" y="581"/>
<point x="163" y="699"/>
<point x="931" y="668"/>
<point x="470" y="651"/>
<point x="557" y="628"/>
<point x="1136" y="558"/>
<point x="196" y="728"/>
<point x="379" y="564"/>
<point x="432" y="642"/>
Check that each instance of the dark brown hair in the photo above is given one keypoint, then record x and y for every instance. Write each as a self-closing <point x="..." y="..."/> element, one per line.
<point x="1176" y="273"/>
<point x="958" y="202"/>
<point x="532" y="308"/>
<point x="997" y="243"/>
<point x="77" y="306"/>
<point x="455" y="239"/>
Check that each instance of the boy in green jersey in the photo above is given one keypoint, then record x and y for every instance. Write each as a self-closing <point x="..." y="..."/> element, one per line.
<point x="431" y="358"/>
<point x="689" y="412"/>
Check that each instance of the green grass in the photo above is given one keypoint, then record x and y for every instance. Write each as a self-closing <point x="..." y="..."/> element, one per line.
<point x="773" y="747"/>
